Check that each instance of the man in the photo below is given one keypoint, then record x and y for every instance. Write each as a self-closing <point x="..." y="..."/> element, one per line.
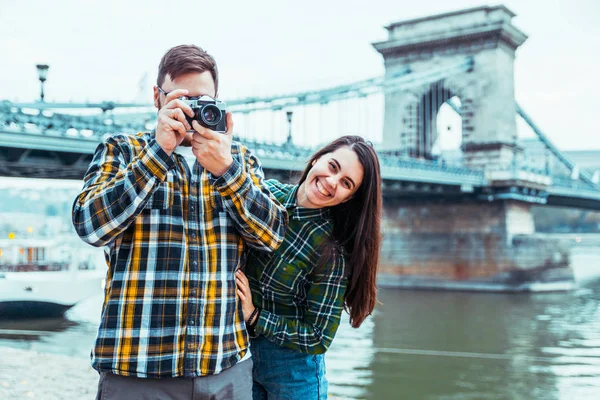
<point x="175" y="235"/>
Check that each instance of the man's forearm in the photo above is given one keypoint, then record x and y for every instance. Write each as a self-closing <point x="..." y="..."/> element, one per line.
<point x="115" y="192"/>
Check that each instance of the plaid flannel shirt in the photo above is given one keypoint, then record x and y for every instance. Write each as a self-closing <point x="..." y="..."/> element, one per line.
<point x="301" y="305"/>
<point x="174" y="238"/>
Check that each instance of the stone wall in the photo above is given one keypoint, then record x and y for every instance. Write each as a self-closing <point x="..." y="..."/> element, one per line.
<point x="493" y="243"/>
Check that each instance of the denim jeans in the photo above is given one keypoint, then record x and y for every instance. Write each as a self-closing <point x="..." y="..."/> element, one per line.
<point x="280" y="373"/>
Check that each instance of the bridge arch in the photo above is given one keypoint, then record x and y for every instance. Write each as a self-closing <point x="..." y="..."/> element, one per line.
<point x="448" y="142"/>
<point x="428" y="132"/>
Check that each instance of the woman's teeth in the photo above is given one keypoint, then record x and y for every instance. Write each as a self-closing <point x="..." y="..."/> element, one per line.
<point x="322" y="189"/>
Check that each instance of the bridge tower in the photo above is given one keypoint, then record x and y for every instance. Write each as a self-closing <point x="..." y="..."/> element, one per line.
<point x="486" y="91"/>
<point x="486" y="239"/>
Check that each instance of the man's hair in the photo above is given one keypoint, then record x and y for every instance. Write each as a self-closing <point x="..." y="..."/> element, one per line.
<point x="184" y="59"/>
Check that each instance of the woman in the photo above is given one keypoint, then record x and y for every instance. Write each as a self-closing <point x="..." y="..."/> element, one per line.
<point x="293" y="299"/>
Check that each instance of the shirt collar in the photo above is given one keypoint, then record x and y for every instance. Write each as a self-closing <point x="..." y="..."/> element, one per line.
<point x="297" y="212"/>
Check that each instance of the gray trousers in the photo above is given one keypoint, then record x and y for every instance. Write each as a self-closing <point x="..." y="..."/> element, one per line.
<point x="234" y="383"/>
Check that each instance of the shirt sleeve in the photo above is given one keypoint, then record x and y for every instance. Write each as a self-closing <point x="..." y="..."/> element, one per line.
<point x="325" y="303"/>
<point x="115" y="191"/>
<point x="260" y="219"/>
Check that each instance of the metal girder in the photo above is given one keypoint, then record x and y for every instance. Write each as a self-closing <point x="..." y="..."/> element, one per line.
<point x="557" y="153"/>
<point x="48" y="142"/>
<point x="585" y="177"/>
<point x="403" y="79"/>
<point x="104" y="106"/>
<point x="16" y="120"/>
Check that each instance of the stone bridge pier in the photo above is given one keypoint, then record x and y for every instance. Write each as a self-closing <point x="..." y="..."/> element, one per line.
<point x="470" y="246"/>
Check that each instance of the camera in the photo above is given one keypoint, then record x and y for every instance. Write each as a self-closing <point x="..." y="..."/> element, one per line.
<point x="209" y="113"/>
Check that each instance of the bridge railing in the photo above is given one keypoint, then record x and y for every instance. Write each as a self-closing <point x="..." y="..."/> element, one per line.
<point x="566" y="182"/>
<point x="286" y="151"/>
<point x="426" y="165"/>
<point x="21" y="119"/>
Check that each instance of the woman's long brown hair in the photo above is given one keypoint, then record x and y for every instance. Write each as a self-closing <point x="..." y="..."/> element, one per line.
<point x="356" y="228"/>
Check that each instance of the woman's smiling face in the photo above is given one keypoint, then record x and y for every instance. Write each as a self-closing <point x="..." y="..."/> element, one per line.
<point x="333" y="179"/>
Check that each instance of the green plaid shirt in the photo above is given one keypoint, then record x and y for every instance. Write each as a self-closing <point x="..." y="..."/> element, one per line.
<point x="301" y="305"/>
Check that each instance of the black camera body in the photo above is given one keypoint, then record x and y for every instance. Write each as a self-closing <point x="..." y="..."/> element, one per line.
<point x="209" y="113"/>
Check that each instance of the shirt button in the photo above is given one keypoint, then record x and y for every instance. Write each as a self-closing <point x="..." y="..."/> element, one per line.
<point x="193" y="236"/>
<point x="195" y="263"/>
<point x="194" y="292"/>
<point x="192" y="322"/>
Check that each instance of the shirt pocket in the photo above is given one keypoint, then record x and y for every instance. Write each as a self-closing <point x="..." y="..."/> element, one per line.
<point x="282" y="281"/>
<point x="209" y="192"/>
<point x="216" y="202"/>
<point x="162" y="198"/>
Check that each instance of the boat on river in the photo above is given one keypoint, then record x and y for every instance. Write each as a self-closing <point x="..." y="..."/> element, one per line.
<point x="45" y="277"/>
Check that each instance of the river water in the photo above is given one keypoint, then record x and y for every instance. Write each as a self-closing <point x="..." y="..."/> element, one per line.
<point x="425" y="345"/>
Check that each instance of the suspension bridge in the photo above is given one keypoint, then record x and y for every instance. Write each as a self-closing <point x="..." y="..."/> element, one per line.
<point x="462" y="217"/>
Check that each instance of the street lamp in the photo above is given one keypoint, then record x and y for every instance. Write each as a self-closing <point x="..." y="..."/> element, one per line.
<point x="289" y="118"/>
<point x="42" y="72"/>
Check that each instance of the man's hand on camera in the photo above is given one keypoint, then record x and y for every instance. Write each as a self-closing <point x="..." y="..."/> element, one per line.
<point x="171" y="124"/>
<point x="212" y="149"/>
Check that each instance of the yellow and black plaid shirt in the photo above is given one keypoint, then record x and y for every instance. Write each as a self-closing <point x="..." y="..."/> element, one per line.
<point x="173" y="238"/>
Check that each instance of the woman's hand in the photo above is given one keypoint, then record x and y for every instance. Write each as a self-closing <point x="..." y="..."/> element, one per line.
<point x="243" y="290"/>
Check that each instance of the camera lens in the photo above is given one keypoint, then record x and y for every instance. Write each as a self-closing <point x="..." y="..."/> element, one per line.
<point x="210" y="114"/>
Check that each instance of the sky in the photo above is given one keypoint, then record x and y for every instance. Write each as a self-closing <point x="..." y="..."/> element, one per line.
<point x="109" y="50"/>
